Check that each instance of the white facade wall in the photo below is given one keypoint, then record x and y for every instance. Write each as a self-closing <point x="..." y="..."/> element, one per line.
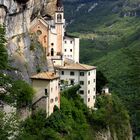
<point x="53" y="92"/>
<point x="68" y="77"/>
<point x="52" y="43"/>
<point x="54" y="95"/>
<point x="89" y="89"/>
<point x="76" y="50"/>
<point x="71" y="49"/>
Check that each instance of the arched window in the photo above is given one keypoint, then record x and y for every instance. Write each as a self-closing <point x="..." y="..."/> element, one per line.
<point x="59" y="18"/>
<point x="52" y="52"/>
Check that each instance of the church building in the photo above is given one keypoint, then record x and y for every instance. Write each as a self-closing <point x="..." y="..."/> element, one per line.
<point x="62" y="53"/>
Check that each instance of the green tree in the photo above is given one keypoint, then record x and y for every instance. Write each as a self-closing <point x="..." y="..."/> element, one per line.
<point x="3" y="52"/>
<point x="21" y="93"/>
<point x="101" y="81"/>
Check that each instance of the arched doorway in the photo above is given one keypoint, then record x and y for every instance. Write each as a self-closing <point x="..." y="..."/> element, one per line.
<point x="52" y="52"/>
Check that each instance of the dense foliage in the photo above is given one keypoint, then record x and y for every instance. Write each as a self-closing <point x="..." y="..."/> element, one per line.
<point x="110" y="40"/>
<point x="74" y="121"/>
<point x="3" y="52"/>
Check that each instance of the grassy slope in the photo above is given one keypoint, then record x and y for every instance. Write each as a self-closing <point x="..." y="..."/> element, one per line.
<point x="112" y="43"/>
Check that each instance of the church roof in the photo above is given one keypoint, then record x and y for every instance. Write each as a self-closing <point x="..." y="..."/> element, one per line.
<point x="45" y="76"/>
<point x="76" y="66"/>
<point x="59" y="3"/>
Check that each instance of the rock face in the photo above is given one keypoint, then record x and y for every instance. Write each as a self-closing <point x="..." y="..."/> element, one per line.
<point x="25" y="53"/>
<point x="107" y="134"/>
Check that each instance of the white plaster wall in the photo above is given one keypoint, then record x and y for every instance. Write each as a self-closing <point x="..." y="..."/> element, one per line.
<point x="52" y="39"/>
<point x="40" y="86"/>
<point x="76" y="49"/>
<point x="86" y="86"/>
<point x="92" y="88"/>
<point x="67" y="46"/>
<point x="54" y="93"/>
<point x="58" y="62"/>
<point x="68" y="77"/>
<point x="70" y="43"/>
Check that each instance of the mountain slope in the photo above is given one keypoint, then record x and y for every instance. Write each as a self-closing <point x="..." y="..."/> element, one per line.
<point x="110" y="39"/>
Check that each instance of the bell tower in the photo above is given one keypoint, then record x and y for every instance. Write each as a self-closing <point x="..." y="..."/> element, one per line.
<point x="59" y="22"/>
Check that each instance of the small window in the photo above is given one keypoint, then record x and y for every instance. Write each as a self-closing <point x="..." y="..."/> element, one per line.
<point x="72" y="81"/>
<point x="88" y="82"/>
<point x="65" y="50"/>
<point x="51" y="101"/>
<point x="52" y="44"/>
<point x="70" y="42"/>
<point x="39" y="32"/>
<point x="81" y="82"/>
<point x="70" y="50"/>
<point x="71" y="73"/>
<point x="88" y="99"/>
<point x="81" y="92"/>
<point x="62" y="81"/>
<point x="94" y="80"/>
<point x="56" y="99"/>
<point x="94" y="97"/>
<point x="88" y="91"/>
<point x="62" y="72"/>
<point x="94" y="89"/>
<point x="59" y="17"/>
<point x="51" y="89"/>
<point x="88" y="73"/>
<point x="81" y="73"/>
<point x="46" y="91"/>
<point x="65" y="42"/>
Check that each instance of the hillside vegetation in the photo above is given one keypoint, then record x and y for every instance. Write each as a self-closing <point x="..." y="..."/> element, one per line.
<point x="74" y="121"/>
<point x="110" y="39"/>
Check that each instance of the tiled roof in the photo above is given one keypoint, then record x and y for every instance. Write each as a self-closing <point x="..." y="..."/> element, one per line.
<point x="76" y="66"/>
<point x="45" y="76"/>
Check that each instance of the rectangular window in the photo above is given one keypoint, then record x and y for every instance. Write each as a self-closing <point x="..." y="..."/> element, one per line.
<point x="62" y="81"/>
<point x="81" y="73"/>
<point x="88" y="91"/>
<point x="71" y="73"/>
<point x="88" y="82"/>
<point x="94" y="80"/>
<point x="65" y="42"/>
<point x="70" y="42"/>
<point x="65" y="50"/>
<point x="88" y="99"/>
<point x="72" y="81"/>
<point x="62" y="72"/>
<point x="88" y="73"/>
<point x="81" y="82"/>
<point x="70" y="50"/>
<point x="94" y="97"/>
<point x="81" y="92"/>
<point x="46" y="91"/>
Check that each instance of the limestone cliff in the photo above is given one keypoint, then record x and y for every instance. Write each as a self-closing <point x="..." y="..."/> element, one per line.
<point x="25" y="53"/>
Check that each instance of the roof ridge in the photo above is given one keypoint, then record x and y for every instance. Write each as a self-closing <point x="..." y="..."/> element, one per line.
<point x="82" y="65"/>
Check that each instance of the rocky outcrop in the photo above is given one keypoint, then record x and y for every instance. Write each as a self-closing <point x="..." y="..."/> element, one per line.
<point x="25" y="53"/>
<point x="108" y="134"/>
